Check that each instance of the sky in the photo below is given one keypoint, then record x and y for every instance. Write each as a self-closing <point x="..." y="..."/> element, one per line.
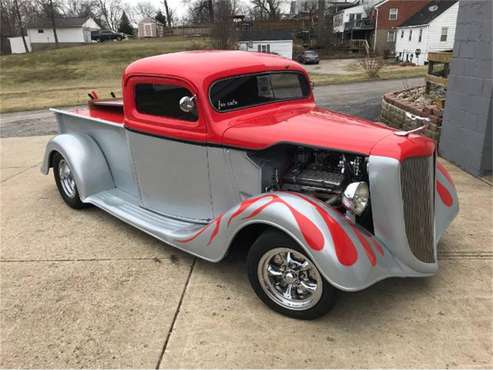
<point x="179" y="6"/>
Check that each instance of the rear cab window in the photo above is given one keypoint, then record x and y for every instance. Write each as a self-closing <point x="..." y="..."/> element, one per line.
<point x="163" y="100"/>
<point x="257" y="89"/>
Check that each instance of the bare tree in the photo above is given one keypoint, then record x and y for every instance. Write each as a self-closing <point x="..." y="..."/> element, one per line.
<point x="19" y="19"/>
<point x="145" y="9"/>
<point x="110" y="12"/>
<point x="53" y="23"/>
<point x="168" y="13"/>
<point x="80" y="8"/>
<point x="223" y="32"/>
<point x="267" y="9"/>
<point x="199" y="12"/>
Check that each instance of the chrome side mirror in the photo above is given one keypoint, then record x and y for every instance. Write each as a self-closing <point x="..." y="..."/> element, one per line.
<point x="187" y="103"/>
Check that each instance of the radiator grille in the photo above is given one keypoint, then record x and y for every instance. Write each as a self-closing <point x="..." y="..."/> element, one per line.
<point x="417" y="178"/>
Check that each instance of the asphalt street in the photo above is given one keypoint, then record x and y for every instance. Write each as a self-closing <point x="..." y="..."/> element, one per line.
<point x="360" y="99"/>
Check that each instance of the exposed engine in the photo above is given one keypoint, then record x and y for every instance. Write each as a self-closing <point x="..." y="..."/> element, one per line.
<point x="321" y="173"/>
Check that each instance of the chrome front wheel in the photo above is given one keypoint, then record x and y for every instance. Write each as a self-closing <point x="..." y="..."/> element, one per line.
<point x="286" y="279"/>
<point x="290" y="279"/>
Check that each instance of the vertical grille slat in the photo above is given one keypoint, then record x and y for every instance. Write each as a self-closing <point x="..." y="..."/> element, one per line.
<point x="417" y="178"/>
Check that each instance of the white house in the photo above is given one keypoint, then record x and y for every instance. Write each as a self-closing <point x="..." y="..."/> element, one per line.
<point x="352" y="14"/>
<point x="68" y="30"/>
<point x="276" y="42"/>
<point x="431" y="29"/>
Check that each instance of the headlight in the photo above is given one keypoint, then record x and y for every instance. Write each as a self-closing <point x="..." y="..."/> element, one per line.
<point x="356" y="196"/>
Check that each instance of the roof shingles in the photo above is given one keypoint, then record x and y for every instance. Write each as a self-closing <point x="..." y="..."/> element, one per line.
<point x="60" y="22"/>
<point x="428" y="13"/>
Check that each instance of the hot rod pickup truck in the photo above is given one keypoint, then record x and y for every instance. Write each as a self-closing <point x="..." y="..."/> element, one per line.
<point x="213" y="150"/>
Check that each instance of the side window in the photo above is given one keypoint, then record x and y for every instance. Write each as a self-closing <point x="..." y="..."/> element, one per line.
<point x="393" y="14"/>
<point x="162" y="100"/>
<point x="443" y="36"/>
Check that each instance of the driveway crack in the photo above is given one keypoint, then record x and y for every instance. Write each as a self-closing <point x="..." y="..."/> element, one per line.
<point x="165" y="345"/>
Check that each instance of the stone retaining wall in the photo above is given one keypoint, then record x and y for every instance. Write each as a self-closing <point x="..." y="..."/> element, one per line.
<point x="394" y="110"/>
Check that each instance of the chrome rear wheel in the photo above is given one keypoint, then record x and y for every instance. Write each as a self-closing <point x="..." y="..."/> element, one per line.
<point x="66" y="179"/>
<point x="65" y="182"/>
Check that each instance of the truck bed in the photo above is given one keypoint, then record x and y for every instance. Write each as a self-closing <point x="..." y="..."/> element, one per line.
<point x="110" y="110"/>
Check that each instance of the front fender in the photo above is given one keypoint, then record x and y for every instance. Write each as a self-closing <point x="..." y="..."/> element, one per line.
<point x="446" y="200"/>
<point x="349" y="257"/>
<point x="87" y="162"/>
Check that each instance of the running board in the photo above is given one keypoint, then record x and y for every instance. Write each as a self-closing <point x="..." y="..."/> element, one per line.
<point x="126" y="208"/>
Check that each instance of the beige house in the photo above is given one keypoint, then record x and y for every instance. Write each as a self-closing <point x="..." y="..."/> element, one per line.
<point x="149" y="27"/>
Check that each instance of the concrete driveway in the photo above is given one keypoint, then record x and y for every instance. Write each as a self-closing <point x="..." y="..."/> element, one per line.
<point x="82" y="289"/>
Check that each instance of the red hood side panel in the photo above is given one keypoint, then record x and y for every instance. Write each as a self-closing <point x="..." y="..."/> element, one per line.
<point x="307" y="126"/>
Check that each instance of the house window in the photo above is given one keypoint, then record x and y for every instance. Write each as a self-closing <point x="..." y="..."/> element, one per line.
<point x="351" y="17"/>
<point x="162" y="100"/>
<point x="259" y="48"/>
<point x="402" y="34"/>
<point x="410" y="35"/>
<point x="391" y="36"/>
<point x="41" y="31"/>
<point x="265" y="48"/>
<point x="358" y="16"/>
<point x="393" y="14"/>
<point x="420" y="38"/>
<point x="443" y="36"/>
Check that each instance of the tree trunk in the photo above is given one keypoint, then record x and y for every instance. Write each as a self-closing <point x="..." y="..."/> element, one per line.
<point x="210" y="4"/>
<point x="168" y="19"/>
<point x="18" y="13"/>
<point x="52" y="15"/>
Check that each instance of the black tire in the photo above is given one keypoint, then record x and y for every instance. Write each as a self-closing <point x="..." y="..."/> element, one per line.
<point x="272" y="239"/>
<point x="73" y="201"/>
<point x="119" y="38"/>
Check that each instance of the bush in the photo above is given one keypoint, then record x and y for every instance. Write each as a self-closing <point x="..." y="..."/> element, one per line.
<point x="372" y="65"/>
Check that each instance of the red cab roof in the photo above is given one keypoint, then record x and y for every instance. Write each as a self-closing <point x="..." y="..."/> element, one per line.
<point x="207" y="65"/>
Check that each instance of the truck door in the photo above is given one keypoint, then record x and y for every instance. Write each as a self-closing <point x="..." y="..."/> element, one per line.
<point x="168" y="147"/>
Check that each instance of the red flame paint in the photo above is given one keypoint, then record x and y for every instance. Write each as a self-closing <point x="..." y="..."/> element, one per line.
<point x="377" y="246"/>
<point x="346" y="252"/>
<point x="244" y="205"/>
<point x="366" y="246"/>
<point x="196" y="235"/>
<point x="310" y="231"/>
<point x="444" y="194"/>
<point x="217" y="224"/>
<point x="444" y="172"/>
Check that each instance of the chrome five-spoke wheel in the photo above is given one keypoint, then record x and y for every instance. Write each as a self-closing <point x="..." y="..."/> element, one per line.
<point x="286" y="279"/>
<point x="290" y="279"/>
<point x="65" y="181"/>
<point x="66" y="178"/>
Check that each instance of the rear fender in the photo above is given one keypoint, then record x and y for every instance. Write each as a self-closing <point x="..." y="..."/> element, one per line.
<point x="87" y="162"/>
<point x="349" y="257"/>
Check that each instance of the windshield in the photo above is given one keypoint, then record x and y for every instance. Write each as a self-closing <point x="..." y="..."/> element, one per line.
<point x="246" y="91"/>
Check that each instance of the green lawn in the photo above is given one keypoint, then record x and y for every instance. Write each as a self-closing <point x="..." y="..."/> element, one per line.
<point x="64" y="76"/>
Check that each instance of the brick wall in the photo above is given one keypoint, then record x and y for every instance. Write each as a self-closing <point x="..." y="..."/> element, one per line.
<point x="407" y="8"/>
<point x="468" y="118"/>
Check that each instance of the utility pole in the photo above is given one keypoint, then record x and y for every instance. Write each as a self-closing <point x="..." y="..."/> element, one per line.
<point x="168" y="18"/>
<point x="53" y="25"/>
<point x="18" y="14"/>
